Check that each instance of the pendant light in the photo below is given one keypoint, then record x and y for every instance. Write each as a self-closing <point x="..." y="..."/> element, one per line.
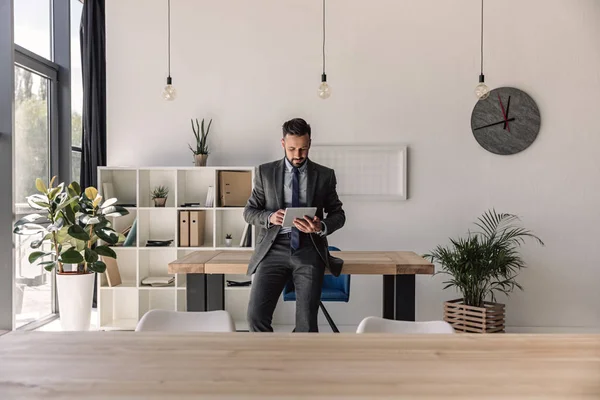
<point x="169" y="93"/>
<point x="324" y="89"/>
<point x="482" y="91"/>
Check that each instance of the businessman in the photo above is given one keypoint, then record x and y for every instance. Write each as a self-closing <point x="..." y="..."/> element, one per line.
<point x="299" y="253"/>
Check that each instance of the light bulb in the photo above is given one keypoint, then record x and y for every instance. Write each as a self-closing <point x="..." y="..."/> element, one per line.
<point x="324" y="89"/>
<point x="169" y="93"/>
<point x="482" y="91"/>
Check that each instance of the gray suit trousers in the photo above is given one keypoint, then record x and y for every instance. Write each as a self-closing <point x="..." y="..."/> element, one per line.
<point x="281" y="264"/>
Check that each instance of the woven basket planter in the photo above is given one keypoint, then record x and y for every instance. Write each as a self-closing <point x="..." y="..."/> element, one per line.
<point x="463" y="318"/>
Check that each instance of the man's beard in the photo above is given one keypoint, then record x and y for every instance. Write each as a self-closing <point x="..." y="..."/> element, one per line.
<point x="292" y="162"/>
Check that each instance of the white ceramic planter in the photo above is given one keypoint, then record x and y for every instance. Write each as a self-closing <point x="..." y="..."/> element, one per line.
<point x="75" y="292"/>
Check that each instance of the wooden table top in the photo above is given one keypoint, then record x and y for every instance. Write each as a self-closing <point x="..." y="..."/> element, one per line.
<point x="111" y="365"/>
<point x="355" y="262"/>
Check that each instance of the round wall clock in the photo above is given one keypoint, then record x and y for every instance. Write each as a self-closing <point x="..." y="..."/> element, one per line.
<point x="507" y="122"/>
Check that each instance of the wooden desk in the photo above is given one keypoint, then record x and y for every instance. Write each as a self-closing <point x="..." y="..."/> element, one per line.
<point x="111" y="365"/>
<point x="206" y="282"/>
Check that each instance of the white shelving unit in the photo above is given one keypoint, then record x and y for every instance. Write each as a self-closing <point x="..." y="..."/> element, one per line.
<point x="121" y="307"/>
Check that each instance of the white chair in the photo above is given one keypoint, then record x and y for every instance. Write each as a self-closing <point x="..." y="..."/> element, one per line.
<point x="380" y="325"/>
<point x="182" y="321"/>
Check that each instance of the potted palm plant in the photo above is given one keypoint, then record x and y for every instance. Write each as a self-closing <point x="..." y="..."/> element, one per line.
<point x="69" y="224"/>
<point x="485" y="263"/>
<point x="201" y="149"/>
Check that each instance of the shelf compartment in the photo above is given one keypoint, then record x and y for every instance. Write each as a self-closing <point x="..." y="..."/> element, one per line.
<point x="118" y="308"/>
<point x="155" y="263"/>
<point x="229" y="221"/>
<point x="156" y="224"/>
<point x="120" y="183"/>
<point x="127" y="264"/>
<point x="192" y="185"/>
<point x="152" y="178"/>
<point x="208" y="237"/>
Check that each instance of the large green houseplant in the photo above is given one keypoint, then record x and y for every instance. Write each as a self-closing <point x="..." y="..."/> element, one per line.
<point x="70" y="223"/>
<point x="485" y="263"/>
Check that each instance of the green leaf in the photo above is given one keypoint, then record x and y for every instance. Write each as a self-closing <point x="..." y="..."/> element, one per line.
<point x="29" y="229"/>
<point x="90" y="256"/>
<point x="89" y="220"/>
<point x="41" y="186"/>
<point x="38" y="202"/>
<point x="67" y="202"/>
<point x="108" y="235"/>
<point x="28" y="219"/>
<point x="50" y="267"/>
<point x="55" y="191"/>
<point x="106" y="251"/>
<point x="77" y="232"/>
<point x="36" y="244"/>
<point x="114" y="211"/>
<point x="98" y="267"/>
<point x="75" y="187"/>
<point x="109" y="202"/>
<point x="71" y="256"/>
<point x="33" y="257"/>
<point x="69" y="215"/>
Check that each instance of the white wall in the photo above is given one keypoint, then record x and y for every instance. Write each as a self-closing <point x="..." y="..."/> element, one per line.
<point x="401" y="72"/>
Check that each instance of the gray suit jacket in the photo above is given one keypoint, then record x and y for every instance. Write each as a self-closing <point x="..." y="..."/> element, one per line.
<point x="267" y="197"/>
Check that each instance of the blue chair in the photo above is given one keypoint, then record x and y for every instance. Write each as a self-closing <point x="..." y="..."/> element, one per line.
<point x="334" y="289"/>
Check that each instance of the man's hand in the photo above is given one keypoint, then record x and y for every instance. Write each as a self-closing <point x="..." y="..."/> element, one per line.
<point x="308" y="225"/>
<point x="277" y="217"/>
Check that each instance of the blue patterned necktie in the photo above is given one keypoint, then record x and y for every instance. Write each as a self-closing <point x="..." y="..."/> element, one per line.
<point x="295" y="239"/>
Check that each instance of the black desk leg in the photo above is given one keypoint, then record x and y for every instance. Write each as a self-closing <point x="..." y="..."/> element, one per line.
<point x="399" y="297"/>
<point x="196" y="292"/>
<point x="215" y="292"/>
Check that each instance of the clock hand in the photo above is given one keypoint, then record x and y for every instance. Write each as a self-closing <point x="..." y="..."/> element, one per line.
<point x="495" y="123"/>
<point x="503" y="113"/>
<point x="507" y="108"/>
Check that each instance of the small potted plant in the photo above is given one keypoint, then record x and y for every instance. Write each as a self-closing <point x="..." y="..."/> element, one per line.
<point x="201" y="149"/>
<point x="480" y="266"/>
<point x="228" y="240"/>
<point x="159" y="195"/>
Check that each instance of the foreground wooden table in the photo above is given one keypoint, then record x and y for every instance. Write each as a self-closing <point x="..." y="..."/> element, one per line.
<point x="123" y="365"/>
<point x="206" y="282"/>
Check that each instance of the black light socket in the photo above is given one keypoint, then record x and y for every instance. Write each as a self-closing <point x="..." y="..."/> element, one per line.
<point x="324" y="78"/>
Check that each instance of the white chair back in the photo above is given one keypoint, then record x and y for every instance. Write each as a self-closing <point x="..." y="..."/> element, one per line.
<point x="381" y="325"/>
<point x="182" y="321"/>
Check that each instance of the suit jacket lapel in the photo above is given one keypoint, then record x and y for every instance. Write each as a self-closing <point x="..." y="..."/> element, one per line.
<point x="278" y="180"/>
<point x="311" y="182"/>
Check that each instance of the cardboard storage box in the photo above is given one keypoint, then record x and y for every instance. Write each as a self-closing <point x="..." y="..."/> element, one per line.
<point x="235" y="188"/>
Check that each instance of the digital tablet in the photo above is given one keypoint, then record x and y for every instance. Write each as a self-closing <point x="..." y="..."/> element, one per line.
<point x="297" y="212"/>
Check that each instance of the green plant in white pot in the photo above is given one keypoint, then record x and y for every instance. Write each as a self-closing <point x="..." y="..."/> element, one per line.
<point x="201" y="149"/>
<point x="69" y="224"/>
<point x="485" y="263"/>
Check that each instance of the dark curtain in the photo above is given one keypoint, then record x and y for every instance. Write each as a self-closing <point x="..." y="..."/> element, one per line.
<point x="93" y="61"/>
<point x="92" y="40"/>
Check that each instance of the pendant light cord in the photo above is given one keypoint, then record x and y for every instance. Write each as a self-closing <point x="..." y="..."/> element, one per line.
<point x="481" y="37"/>
<point x="169" y="36"/>
<point x="323" y="37"/>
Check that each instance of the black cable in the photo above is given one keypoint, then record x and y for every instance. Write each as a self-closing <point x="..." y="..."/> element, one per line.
<point x="323" y="37"/>
<point x="481" y="37"/>
<point x="169" y="36"/>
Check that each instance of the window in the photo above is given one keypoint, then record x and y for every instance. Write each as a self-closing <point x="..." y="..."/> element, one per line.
<point x="33" y="286"/>
<point x="33" y="27"/>
<point x="41" y="55"/>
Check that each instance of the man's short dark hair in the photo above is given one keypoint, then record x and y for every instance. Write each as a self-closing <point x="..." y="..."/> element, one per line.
<point x="297" y="127"/>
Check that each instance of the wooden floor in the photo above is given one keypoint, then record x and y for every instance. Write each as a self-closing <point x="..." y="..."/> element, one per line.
<point x="120" y="365"/>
